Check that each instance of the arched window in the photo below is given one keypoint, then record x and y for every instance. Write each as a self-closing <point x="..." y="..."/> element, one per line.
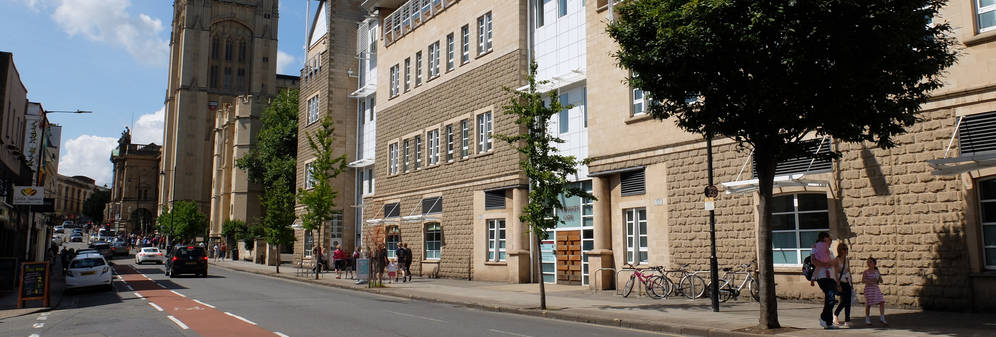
<point x="392" y="240"/>
<point x="796" y="221"/>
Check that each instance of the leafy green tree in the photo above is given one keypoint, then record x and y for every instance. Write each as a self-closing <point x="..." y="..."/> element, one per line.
<point x="319" y="202"/>
<point x="183" y="222"/>
<point x="93" y="206"/>
<point x="768" y="73"/>
<point x="272" y="163"/>
<point x="546" y="169"/>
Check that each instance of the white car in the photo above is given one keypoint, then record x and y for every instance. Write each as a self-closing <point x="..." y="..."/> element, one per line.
<point x="89" y="270"/>
<point x="57" y="239"/>
<point x="150" y="254"/>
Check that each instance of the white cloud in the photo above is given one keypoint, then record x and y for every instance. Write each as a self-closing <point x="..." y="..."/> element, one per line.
<point x="108" y="21"/>
<point x="89" y="156"/>
<point x="149" y="128"/>
<point x="283" y="60"/>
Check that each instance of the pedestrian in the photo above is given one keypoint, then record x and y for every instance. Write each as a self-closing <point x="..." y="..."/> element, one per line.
<point x="217" y="252"/>
<point x="338" y="260"/>
<point x="873" y="295"/>
<point x="325" y="259"/>
<point x="408" y="262"/>
<point x="399" y="255"/>
<point x="392" y="271"/>
<point x="380" y="256"/>
<point x="826" y="277"/>
<point x="846" y="287"/>
<point x="224" y="249"/>
<point x="350" y="271"/>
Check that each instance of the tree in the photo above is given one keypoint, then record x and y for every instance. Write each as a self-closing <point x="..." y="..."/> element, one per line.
<point x="184" y="221"/>
<point x="546" y="169"/>
<point x="319" y="201"/>
<point x="272" y="162"/>
<point x="93" y="206"/>
<point x="768" y="73"/>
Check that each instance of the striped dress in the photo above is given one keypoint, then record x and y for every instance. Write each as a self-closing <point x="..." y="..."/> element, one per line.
<point x="873" y="295"/>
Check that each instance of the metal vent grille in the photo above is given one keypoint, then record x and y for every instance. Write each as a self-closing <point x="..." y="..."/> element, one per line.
<point x="801" y="164"/>
<point x="494" y="199"/>
<point x="633" y="182"/>
<point x="977" y="133"/>
<point x="432" y="205"/>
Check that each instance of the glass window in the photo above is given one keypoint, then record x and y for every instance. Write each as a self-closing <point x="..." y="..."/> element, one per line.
<point x="408" y="73"/>
<point x="987" y="210"/>
<point x="986" y="11"/>
<point x="449" y="142"/>
<point x="393" y="164"/>
<point x="540" y="10"/>
<point x="418" y="152"/>
<point x="433" y="240"/>
<point x="496" y="240"/>
<point x="392" y="240"/>
<point x="565" y="114"/>
<point x="313" y="109"/>
<point x="484" y="136"/>
<point x="796" y="221"/>
<point x="432" y="138"/>
<point x="562" y="7"/>
<point x="404" y="164"/>
<point x="465" y="138"/>
<point x="309" y="176"/>
<point x="638" y="102"/>
<point x="636" y="236"/>
<point x="449" y="52"/>
<point x="465" y="44"/>
<point x="336" y="228"/>
<point x="434" y="59"/>
<point x="394" y="80"/>
<point x="484" y="33"/>
<point x="418" y="68"/>
<point x="309" y="242"/>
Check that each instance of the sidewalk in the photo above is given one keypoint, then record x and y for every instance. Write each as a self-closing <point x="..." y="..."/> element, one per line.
<point x="8" y="298"/>
<point x="673" y="315"/>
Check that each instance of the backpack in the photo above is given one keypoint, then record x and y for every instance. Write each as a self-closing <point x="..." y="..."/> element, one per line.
<point x="808" y="268"/>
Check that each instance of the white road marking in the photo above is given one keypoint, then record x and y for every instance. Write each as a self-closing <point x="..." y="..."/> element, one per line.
<point x="178" y="294"/>
<point x="156" y="306"/>
<point x="39" y="325"/>
<point x="416" y="316"/>
<point x="240" y="318"/>
<point x="508" y="333"/>
<point x="129" y="287"/>
<point x="42" y="318"/>
<point x="205" y="304"/>
<point x="45" y="313"/>
<point x="281" y="334"/>
<point x="178" y="323"/>
<point x="139" y="295"/>
<point x="34" y="335"/>
<point x="161" y="285"/>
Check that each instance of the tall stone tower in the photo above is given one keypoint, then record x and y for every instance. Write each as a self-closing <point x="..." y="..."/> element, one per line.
<point x="219" y="50"/>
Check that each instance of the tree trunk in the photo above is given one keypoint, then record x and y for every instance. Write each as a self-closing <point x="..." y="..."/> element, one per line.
<point x="539" y="272"/>
<point x="318" y="257"/>
<point x="765" y="159"/>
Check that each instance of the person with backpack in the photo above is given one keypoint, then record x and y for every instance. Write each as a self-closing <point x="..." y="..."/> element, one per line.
<point x="400" y="254"/>
<point x="824" y="272"/>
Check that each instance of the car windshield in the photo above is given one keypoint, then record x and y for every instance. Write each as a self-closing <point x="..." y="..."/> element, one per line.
<point x="150" y="250"/>
<point x="89" y="262"/>
<point x="189" y="252"/>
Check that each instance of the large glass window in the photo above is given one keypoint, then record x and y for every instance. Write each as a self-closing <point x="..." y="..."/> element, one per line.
<point x="309" y="242"/>
<point x="336" y="228"/>
<point x="408" y="73"/>
<point x="465" y="44"/>
<point x="484" y="33"/>
<point x="636" y="236"/>
<point x="432" y="138"/>
<point x="465" y="138"/>
<point x="987" y="207"/>
<point x="434" y="59"/>
<point x="418" y="152"/>
<point x="639" y="105"/>
<point x="394" y="80"/>
<point x="450" y="52"/>
<point x="393" y="165"/>
<point x="796" y="221"/>
<point x="392" y="239"/>
<point x="449" y="142"/>
<point x="986" y="11"/>
<point x="484" y="137"/>
<point x="407" y="157"/>
<point x="313" y="109"/>
<point x="309" y="176"/>
<point x="565" y="114"/>
<point x="496" y="240"/>
<point x="433" y="240"/>
<point x="418" y="68"/>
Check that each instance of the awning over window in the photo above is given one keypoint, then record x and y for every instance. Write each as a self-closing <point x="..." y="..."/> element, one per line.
<point x="361" y="163"/>
<point x="747" y="186"/>
<point x="375" y="221"/>
<point x="959" y="165"/>
<point x="364" y="91"/>
<point x="557" y="82"/>
<point x="421" y="218"/>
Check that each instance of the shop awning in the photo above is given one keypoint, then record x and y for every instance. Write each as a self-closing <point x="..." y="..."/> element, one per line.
<point x="959" y="165"/>
<point x="747" y="186"/>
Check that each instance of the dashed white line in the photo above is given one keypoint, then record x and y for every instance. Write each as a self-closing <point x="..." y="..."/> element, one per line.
<point x="205" y="304"/>
<point x="240" y="318"/>
<point x="39" y="325"/>
<point x="156" y="306"/>
<point x="129" y="287"/>
<point x="161" y="285"/>
<point x="178" y="294"/>
<point x="416" y="316"/>
<point x="33" y="335"/>
<point x="45" y="313"/>
<point x="178" y="323"/>
<point x="508" y="333"/>
<point x="42" y="318"/>
<point x="139" y="295"/>
<point x="281" y="334"/>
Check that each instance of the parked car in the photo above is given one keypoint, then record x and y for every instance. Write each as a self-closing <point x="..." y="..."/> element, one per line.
<point x="187" y="260"/>
<point x="150" y="254"/>
<point x="57" y="239"/>
<point x="119" y="247"/>
<point x="89" y="270"/>
<point x="104" y="248"/>
<point x="76" y="237"/>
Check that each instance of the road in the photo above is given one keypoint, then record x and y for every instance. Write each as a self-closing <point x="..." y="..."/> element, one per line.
<point x="229" y="303"/>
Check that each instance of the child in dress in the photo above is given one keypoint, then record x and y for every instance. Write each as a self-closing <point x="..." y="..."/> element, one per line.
<point x="392" y="271"/>
<point x="872" y="278"/>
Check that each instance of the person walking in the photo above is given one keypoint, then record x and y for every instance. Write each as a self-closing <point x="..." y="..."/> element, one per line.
<point x="846" y="287"/>
<point x="224" y="249"/>
<point x="217" y="252"/>
<point x="873" y="295"/>
<point x="400" y="254"/>
<point x="826" y="277"/>
<point x="351" y="270"/>
<point x="408" y="263"/>
<point x="380" y="256"/>
<point x="338" y="261"/>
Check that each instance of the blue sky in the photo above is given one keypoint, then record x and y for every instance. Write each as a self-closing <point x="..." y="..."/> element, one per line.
<point x="110" y="57"/>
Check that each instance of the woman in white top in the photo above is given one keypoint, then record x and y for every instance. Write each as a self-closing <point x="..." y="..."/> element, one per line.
<point x="846" y="290"/>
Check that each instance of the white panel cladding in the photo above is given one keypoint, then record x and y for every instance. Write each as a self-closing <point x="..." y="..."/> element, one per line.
<point x="369" y="133"/>
<point x="560" y="41"/>
<point x="576" y="135"/>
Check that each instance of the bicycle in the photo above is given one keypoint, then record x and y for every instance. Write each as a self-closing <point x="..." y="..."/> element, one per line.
<point x="649" y="279"/>
<point x="689" y="285"/>
<point x="749" y="281"/>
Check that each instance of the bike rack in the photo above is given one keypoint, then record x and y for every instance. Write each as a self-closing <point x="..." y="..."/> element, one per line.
<point x="594" y="283"/>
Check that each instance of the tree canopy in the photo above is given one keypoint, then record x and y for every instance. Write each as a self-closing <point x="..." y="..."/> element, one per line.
<point x="184" y="221"/>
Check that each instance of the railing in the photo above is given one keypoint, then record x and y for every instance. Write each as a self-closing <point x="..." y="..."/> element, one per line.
<point x="411" y="15"/>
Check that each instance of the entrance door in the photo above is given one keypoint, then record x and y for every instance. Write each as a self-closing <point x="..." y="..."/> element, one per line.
<point x="569" y="257"/>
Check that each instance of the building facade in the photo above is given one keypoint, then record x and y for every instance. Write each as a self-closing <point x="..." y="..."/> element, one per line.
<point x="70" y="194"/>
<point x="132" y="204"/>
<point x="14" y="169"/>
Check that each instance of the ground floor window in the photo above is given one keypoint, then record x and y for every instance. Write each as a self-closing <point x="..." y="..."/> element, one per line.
<point x="548" y="255"/>
<point x="433" y="240"/>
<point x="496" y="240"/>
<point x="336" y="229"/>
<point x="987" y="207"/>
<point x="796" y="222"/>
<point x="309" y="242"/>
<point x="392" y="240"/>
<point x="636" y="236"/>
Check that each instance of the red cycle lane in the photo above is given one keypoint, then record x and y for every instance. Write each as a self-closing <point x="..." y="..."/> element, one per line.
<point x="204" y="320"/>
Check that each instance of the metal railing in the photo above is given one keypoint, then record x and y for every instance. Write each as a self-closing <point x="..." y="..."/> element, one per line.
<point x="411" y="15"/>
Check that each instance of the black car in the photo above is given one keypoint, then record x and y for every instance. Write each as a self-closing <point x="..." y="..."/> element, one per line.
<point x="104" y="248"/>
<point x="187" y="260"/>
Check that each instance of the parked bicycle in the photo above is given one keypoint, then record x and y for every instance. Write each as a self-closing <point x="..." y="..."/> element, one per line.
<point x="730" y="289"/>
<point x="689" y="284"/>
<point x="650" y="278"/>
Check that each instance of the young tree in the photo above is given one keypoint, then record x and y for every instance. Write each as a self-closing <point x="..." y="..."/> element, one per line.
<point x="546" y="169"/>
<point x="319" y="201"/>
<point x="768" y="73"/>
<point x="272" y="162"/>
<point x="184" y="221"/>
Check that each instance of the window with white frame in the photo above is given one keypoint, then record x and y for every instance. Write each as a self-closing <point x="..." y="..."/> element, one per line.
<point x="309" y="176"/>
<point x="394" y="80"/>
<point x="434" y="59"/>
<point x="639" y="102"/>
<point x="336" y="227"/>
<point x="312" y="109"/>
<point x="465" y="44"/>
<point x="987" y="210"/>
<point x="432" y="138"/>
<point x="418" y="68"/>
<point x="418" y="152"/>
<point x="484" y="33"/>
<point x="636" y="236"/>
<point x="496" y="240"/>
<point x="391" y="240"/>
<point x="371" y="181"/>
<point x="309" y="242"/>
<point x="565" y="114"/>
<point x="540" y="10"/>
<point x="408" y="73"/>
<point x="392" y="150"/>
<point x="986" y="15"/>
<point x="484" y="137"/>
<point x="562" y="8"/>
<point x="433" y="240"/>
<point x="372" y="103"/>
<point x="796" y="221"/>
<point x="464" y="138"/>
<point x="407" y="157"/>
<point x="450" y="62"/>
<point x="449" y="142"/>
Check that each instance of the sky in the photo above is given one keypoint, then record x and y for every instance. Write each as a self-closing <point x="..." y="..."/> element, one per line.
<point x="109" y="57"/>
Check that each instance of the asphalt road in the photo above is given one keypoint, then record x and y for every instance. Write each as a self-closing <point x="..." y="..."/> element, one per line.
<point x="229" y="303"/>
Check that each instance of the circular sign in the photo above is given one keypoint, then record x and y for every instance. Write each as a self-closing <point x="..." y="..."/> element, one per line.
<point x="711" y="191"/>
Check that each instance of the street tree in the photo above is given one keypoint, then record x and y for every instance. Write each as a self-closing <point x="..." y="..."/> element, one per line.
<point x="272" y="162"/>
<point x="542" y="163"/>
<point x="184" y="221"/>
<point x="93" y="206"/>
<point x="319" y="201"/>
<point x="770" y="73"/>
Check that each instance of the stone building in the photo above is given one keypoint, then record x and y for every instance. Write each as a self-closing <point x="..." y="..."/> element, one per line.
<point x="70" y="193"/>
<point x="14" y="170"/>
<point x="132" y="205"/>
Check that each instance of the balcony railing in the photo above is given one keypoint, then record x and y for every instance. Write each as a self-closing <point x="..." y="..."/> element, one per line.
<point x="410" y="15"/>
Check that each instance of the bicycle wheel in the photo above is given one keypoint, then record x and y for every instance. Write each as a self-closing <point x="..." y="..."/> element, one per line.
<point x="668" y="287"/>
<point x="657" y="287"/>
<point x="755" y="289"/>
<point x="692" y="286"/>
<point x="628" y="288"/>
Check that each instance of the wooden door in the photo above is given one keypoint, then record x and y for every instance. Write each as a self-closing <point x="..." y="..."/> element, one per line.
<point x="569" y="257"/>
